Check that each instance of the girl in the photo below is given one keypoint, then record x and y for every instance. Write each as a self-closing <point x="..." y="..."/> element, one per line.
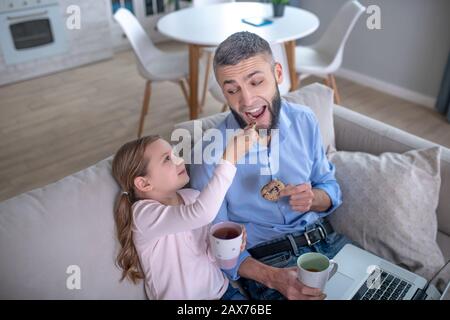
<point x="163" y="229"/>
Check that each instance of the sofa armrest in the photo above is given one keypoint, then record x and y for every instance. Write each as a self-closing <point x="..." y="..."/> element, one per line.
<point x="356" y="132"/>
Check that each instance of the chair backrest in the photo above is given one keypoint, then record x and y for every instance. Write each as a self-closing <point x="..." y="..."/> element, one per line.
<point x="334" y="38"/>
<point x="140" y="42"/>
<point x="200" y="3"/>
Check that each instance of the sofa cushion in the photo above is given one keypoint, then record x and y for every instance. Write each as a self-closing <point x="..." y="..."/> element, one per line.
<point x="444" y="243"/>
<point x="357" y="132"/>
<point x="320" y="99"/>
<point x="389" y="205"/>
<point x="315" y="96"/>
<point x="68" y="223"/>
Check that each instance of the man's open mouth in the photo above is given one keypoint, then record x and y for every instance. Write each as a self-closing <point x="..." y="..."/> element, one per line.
<point x="255" y="113"/>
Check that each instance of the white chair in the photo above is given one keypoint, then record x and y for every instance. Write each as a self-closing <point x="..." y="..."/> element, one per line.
<point x="279" y="55"/>
<point x="209" y="51"/>
<point x="153" y="64"/>
<point x="325" y="57"/>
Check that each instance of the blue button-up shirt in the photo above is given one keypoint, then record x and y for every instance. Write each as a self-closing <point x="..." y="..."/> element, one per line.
<point x="295" y="156"/>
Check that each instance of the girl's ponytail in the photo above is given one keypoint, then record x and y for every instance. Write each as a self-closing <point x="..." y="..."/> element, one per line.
<point x="129" y="163"/>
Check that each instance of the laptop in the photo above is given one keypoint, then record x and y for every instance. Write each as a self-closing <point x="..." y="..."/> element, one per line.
<point x="364" y="276"/>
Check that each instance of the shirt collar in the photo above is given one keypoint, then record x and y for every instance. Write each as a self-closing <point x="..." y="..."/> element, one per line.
<point x="284" y="122"/>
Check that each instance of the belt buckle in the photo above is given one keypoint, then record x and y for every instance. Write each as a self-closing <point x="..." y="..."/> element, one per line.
<point x="308" y="240"/>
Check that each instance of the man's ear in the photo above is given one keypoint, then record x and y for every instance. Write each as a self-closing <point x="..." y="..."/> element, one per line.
<point x="142" y="184"/>
<point x="278" y="72"/>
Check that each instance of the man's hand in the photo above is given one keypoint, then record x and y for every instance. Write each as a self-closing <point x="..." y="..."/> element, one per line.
<point x="283" y="280"/>
<point x="286" y="282"/>
<point x="303" y="198"/>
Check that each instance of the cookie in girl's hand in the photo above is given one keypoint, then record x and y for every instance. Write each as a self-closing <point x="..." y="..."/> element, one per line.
<point x="271" y="191"/>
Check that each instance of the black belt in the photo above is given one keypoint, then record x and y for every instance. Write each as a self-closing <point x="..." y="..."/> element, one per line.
<point x="309" y="238"/>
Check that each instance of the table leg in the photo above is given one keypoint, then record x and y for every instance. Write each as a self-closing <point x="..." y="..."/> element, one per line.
<point x="290" y="54"/>
<point x="194" y="56"/>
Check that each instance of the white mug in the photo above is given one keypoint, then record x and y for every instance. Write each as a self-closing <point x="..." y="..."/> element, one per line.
<point x="315" y="269"/>
<point x="225" y="239"/>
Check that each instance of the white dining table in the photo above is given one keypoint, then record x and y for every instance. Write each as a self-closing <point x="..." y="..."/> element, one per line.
<point x="208" y="26"/>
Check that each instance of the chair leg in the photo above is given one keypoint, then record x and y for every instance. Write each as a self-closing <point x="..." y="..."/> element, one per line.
<point x="330" y="81"/>
<point x="327" y="81"/>
<point x="337" y="98"/>
<point x="145" y="106"/>
<point x="299" y="80"/>
<point x="205" y="83"/>
<point x="224" y="107"/>
<point x="183" y="88"/>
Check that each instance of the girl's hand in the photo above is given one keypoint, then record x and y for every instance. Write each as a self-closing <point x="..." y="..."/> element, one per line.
<point x="240" y="144"/>
<point x="244" y="238"/>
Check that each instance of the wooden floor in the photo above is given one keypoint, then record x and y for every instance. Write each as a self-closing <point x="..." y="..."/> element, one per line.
<point x="55" y="125"/>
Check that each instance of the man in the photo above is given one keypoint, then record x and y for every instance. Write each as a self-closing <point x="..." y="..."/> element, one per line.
<point x="249" y="78"/>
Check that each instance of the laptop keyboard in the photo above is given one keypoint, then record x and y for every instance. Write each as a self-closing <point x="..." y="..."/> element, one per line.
<point x="391" y="288"/>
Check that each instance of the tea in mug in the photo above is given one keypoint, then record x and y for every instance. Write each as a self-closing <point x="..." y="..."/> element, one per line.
<point x="226" y="233"/>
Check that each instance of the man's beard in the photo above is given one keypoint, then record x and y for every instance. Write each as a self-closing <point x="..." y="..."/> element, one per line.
<point x="274" y="110"/>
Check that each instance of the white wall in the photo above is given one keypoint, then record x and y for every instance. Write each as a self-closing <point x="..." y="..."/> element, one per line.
<point x="407" y="56"/>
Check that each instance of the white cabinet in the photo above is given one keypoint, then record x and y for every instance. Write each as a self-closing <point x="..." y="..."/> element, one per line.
<point x="88" y="44"/>
<point x="147" y="12"/>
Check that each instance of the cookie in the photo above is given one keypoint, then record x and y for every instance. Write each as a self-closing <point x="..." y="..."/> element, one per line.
<point x="271" y="191"/>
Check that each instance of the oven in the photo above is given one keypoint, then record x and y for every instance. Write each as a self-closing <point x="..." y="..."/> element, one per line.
<point x="31" y="29"/>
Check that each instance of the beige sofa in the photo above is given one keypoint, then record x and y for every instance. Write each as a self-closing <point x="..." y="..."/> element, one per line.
<point x="51" y="235"/>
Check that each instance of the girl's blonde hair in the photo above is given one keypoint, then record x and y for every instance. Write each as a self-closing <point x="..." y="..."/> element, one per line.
<point x="128" y="163"/>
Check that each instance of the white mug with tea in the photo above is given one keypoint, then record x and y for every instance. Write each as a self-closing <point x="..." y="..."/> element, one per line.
<point x="225" y="239"/>
<point x="315" y="269"/>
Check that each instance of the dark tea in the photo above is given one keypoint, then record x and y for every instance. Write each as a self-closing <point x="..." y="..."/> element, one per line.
<point x="312" y="270"/>
<point x="226" y="233"/>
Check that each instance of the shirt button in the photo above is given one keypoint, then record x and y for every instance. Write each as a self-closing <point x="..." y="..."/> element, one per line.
<point x="303" y="222"/>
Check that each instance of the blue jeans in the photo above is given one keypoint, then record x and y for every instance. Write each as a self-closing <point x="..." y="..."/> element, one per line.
<point x="232" y="294"/>
<point x="329" y="247"/>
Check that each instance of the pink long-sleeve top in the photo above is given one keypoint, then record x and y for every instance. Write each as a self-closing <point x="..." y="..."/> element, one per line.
<point x="172" y="242"/>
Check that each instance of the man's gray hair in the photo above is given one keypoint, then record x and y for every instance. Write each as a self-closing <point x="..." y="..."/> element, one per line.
<point x="240" y="46"/>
